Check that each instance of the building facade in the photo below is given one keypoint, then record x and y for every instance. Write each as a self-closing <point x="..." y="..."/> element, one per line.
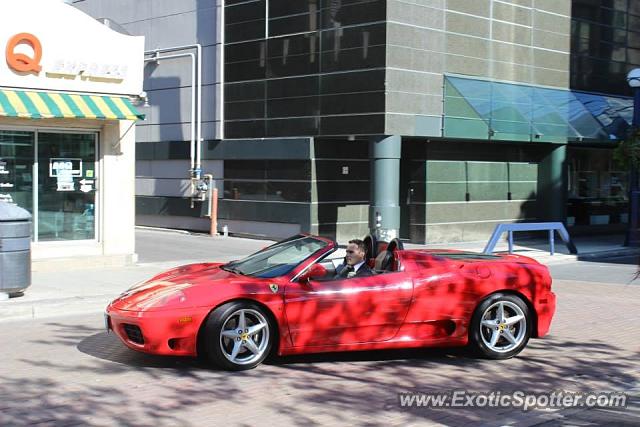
<point x="67" y="131"/>
<point x="495" y="111"/>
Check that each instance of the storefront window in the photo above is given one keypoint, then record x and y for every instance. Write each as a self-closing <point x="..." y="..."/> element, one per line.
<point x="597" y="189"/>
<point x="64" y="203"/>
<point x="16" y="168"/>
<point x="66" y="186"/>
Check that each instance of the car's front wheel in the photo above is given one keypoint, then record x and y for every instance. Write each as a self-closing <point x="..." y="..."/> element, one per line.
<point x="500" y="327"/>
<point x="238" y="336"/>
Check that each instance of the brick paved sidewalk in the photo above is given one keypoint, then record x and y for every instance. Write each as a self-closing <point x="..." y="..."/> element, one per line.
<point x="67" y="371"/>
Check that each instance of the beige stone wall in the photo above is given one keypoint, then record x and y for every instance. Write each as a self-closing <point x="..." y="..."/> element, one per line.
<point x="525" y="41"/>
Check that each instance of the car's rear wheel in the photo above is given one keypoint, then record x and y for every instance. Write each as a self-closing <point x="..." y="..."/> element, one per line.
<point x="500" y="327"/>
<point x="238" y="336"/>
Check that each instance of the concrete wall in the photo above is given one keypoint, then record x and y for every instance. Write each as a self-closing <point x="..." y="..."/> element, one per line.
<point x="525" y="41"/>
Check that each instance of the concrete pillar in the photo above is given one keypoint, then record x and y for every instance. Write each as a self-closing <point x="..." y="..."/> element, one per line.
<point x="552" y="192"/>
<point x="384" y="209"/>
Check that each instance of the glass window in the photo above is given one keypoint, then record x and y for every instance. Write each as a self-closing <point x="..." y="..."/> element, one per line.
<point x="244" y="109"/>
<point x="245" y="129"/>
<point x="597" y="188"/>
<point x="66" y="186"/>
<point x="245" y="169"/>
<point x="601" y="34"/>
<point x="245" y="190"/>
<point x="288" y="191"/>
<point x="277" y="260"/>
<point x="342" y="170"/>
<point x="288" y="169"/>
<point x="343" y="191"/>
<point x="242" y="31"/>
<point x="250" y="11"/>
<point x="16" y="168"/>
<point x="282" y="72"/>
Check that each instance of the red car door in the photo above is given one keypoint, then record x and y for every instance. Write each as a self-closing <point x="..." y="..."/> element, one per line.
<point x="347" y="311"/>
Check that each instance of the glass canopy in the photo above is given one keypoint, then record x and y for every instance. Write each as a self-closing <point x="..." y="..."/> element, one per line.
<point x="482" y="109"/>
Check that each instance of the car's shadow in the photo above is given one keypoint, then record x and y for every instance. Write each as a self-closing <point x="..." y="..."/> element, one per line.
<point x="107" y="346"/>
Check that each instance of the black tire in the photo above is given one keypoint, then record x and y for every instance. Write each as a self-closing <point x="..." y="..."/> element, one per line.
<point x="227" y="315"/>
<point x="480" y="336"/>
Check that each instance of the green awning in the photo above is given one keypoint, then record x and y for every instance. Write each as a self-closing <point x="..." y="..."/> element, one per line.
<point x="50" y="105"/>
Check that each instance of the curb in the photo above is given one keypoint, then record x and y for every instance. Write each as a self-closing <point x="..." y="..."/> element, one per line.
<point x="52" y="307"/>
<point x="613" y="253"/>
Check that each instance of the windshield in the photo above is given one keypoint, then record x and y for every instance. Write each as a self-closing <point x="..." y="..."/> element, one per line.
<point x="279" y="259"/>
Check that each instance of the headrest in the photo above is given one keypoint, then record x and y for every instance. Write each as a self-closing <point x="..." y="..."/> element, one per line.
<point x="384" y="260"/>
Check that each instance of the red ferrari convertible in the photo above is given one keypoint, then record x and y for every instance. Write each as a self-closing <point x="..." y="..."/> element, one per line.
<point x="285" y="299"/>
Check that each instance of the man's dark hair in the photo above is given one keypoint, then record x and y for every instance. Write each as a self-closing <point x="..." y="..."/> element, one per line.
<point x="360" y="244"/>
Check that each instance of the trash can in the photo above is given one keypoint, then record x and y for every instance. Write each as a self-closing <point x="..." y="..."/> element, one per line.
<point x="15" y="249"/>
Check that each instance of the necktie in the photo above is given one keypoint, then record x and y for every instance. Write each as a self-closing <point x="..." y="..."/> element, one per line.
<point x="345" y="271"/>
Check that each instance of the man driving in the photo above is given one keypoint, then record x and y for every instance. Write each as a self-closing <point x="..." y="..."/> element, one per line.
<point x="355" y="265"/>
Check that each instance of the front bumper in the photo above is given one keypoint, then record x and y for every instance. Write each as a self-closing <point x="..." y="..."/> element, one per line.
<point x="172" y="333"/>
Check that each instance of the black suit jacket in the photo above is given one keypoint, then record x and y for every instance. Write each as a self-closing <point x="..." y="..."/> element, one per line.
<point x="363" y="271"/>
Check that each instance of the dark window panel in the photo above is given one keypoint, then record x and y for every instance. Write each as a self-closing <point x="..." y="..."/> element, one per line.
<point x="244" y="31"/>
<point x="343" y="191"/>
<point x="354" y="59"/>
<point x="292" y="87"/>
<point x="238" y="52"/>
<point x="235" y="2"/>
<point x="244" y="129"/>
<point x="340" y="14"/>
<point x="292" y="107"/>
<point x="613" y="18"/>
<point x="370" y="124"/>
<point x="352" y="103"/>
<point x="293" y="65"/>
<point x="289" y="7"/>
<point x="245" y="169"/>
<point x="341" y="149"/>
<point x="301" y="126"/>
<point x="345" y="38"/>
<point x="352" y="82"/>
<point x="289" y="191"/>
<point x="245" y="12"/>
<point x="633" y="56"/>
<point x="332" y="170"/>
<point x="633" y="39"/>
<point x="243" y="190"/>
<point x="244" y="91"/>
<point x="244" y="110"/>
<point x="293" y="45"/>
<point x="288" y="169"/>
<point x="293" y="24"/>
<point x="238" y="71"/>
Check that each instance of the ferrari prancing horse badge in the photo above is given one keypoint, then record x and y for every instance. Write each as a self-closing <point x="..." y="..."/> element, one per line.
<point x="273" y="287"/>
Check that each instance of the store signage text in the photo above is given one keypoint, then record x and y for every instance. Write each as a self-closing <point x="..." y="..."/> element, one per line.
<point x="68" y="69"/>
<point x="65" y="167"/>
<point x="19" y="61"/>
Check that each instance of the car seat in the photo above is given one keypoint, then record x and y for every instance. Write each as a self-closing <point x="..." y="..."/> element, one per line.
<point x="384" y="262"/>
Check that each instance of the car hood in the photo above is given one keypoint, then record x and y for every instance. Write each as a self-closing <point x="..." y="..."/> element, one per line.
<point x="188" y="286"/>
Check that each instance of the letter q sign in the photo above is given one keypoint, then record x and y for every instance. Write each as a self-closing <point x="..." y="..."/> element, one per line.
<point x="21" y="62"/>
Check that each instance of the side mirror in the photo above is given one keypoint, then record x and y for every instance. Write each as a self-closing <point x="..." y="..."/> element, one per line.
<point x="316" y="271"/>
